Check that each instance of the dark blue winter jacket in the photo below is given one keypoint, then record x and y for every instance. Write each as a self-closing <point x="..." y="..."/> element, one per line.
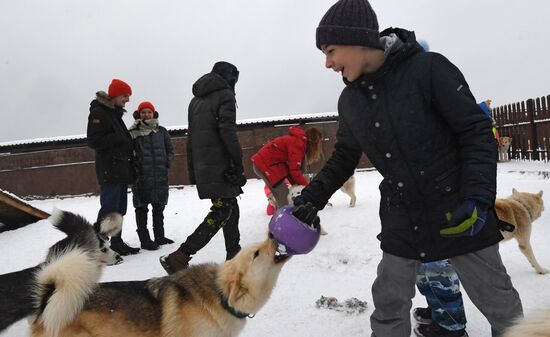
<point x="420" y="126"/>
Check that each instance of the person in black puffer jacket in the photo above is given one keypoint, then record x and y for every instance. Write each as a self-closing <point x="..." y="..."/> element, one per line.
<point x="214" y="158"/>
<point x="412" y="113"/>
<point x="114" y="154"/>
<point x="154" y="153"/>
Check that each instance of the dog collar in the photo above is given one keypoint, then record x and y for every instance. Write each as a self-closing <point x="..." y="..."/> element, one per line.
<point x="232" y="310"/>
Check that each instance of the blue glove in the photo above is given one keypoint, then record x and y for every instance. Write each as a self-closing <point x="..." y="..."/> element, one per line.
<point x="467" y="219"/>
<point x="306" y="212"/>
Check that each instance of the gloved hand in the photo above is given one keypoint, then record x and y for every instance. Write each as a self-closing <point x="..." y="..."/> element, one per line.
<point x="235" y="178"/>
<point x="467" y="219"/>
<point x="306" y="212"/>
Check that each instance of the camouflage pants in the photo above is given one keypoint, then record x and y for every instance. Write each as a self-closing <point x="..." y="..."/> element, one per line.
<point x="439" y="283"/>
<point x="224" y="214"/>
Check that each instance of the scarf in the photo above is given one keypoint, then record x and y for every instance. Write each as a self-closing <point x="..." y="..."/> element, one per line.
<point x="143" y="128"/>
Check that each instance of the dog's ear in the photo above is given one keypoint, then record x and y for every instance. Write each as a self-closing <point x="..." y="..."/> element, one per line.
<point x="236" y="290"/>
<point x="540" y="194"/>
<point x="514" y="192"/>
<point x="110" y="224"/>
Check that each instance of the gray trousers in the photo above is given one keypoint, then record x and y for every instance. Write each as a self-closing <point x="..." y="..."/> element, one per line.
<point x="483" y="277"/>
<point x="280" y="192"/>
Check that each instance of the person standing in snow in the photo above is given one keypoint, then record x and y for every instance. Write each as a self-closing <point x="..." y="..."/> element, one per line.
<point x="214" y="158"/>
<point x="284" y="158"/>
<point x="154" y="153"/>
<point x="114" y="154"/>
<point x="412" y="113"/>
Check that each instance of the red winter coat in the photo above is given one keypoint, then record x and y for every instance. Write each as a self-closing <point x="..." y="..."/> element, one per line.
<point x="282" y="157"/>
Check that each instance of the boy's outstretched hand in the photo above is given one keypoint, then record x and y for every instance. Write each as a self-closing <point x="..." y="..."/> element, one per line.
<point x="467" y="219"/>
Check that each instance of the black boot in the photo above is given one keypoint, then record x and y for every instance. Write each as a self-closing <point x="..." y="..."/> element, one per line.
<point x="142" y="231"/>
<point x="158" y="226"/>
<point x="145" y="239"/>
<point x="122" y="248"/>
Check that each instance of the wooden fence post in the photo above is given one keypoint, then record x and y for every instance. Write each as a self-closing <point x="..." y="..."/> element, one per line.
<point x="535" y="138"/>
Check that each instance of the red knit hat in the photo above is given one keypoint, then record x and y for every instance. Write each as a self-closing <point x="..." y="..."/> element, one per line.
<point x="145" y="105"/>
<point x="119" y="88"/>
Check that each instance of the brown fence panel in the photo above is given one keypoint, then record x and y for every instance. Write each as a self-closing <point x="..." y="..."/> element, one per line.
<point x="528" y="123"/>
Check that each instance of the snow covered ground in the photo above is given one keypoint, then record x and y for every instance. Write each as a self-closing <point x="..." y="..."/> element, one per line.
<point x="343" y="264"/>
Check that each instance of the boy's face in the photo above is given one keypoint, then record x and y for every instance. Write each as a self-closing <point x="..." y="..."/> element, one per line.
<point x="352" y="61"/>
<point x="146" y="114"/>
<point x="121" y="100"/>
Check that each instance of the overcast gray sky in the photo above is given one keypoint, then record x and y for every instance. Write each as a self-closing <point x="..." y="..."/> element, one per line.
<point x="54" y="55"/>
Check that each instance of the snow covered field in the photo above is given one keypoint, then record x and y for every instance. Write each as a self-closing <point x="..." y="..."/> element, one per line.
<point x="343" y="264"/>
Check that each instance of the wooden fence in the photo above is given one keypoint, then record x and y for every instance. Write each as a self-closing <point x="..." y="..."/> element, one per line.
<point x="528" y="123"/>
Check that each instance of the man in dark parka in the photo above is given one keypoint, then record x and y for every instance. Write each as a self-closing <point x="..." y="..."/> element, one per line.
<point x="114" y="154"/>
<point x="215" y="163"/>
<point x="414" y="116"/>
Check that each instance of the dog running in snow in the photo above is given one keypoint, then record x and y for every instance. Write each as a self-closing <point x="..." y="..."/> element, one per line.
<point x="520" y="210"/>
<point x="91" y="240"/>
<point x="204" y="300"/>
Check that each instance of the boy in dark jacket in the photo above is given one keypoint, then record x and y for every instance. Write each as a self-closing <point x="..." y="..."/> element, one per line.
<point x="215" y="165"/>
<point x="114" y="154"/>
<point x="154" y="154"/>
<point x="414" y="116"/>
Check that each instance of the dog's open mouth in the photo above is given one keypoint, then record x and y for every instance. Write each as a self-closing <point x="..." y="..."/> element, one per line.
<point x="280" y="257"/>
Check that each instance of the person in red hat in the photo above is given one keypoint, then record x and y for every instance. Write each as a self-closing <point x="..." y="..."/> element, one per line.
<point x="154" y="153"/>
<point x="114" y="154"/>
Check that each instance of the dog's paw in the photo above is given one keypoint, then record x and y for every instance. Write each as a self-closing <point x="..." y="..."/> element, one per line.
<point x="543" y="271"/>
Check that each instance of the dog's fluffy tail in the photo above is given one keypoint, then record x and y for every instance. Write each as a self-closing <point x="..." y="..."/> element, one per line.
<point x="62" y="287"/>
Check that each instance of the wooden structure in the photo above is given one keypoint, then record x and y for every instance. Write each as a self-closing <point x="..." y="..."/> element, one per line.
<point x="528" y="123"/>
<point x="15" y="213"/>
<point x="66" y="167"/>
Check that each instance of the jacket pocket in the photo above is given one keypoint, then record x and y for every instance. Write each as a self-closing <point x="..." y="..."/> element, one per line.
<point x="448" y="182"/>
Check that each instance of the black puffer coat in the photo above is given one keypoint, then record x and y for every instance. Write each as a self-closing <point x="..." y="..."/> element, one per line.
<point x="108" y="136"/>
<point x="154" y="153"/>
<point x="420" y="126"/>
<point x="212" y="143"/>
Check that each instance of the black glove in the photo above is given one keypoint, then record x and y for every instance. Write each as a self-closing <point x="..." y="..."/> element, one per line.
<point x="235" y="178"/>
<point x="306" y="212"/>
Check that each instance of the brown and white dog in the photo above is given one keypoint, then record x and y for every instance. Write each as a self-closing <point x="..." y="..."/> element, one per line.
<point x="520" y="210"/>
<point x="348" y="188"/>
<point x="205" y="300"/>
<point x="503" y="147"/>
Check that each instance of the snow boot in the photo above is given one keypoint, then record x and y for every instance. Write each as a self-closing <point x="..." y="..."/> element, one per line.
<point x="122" y="248"/>
<point x="145" y="239"/>
<point x="434" y="330"/>
<point x="160" y="239"/>
<point x="175" y="261"/>
<point x="423" y="315"/>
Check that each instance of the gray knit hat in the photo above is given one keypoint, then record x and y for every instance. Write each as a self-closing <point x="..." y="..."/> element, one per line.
<point x="349" y="22"/>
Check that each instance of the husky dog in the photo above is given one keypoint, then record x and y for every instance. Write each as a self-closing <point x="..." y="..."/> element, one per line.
<point x="204" y="300"/>
<point x="536" y="325"/>
<point x="16" y="287"/>
<point x="503" y="146"/>
<point x="520" y="210"/>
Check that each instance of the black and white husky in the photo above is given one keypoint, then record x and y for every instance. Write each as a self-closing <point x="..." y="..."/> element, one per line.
<point x="83" y="242"/>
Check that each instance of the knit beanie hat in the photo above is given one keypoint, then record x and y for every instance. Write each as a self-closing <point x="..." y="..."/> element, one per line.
<point x="119" y="88"/>
<point x="349" y="22"/>
<point x="228" y="71"/>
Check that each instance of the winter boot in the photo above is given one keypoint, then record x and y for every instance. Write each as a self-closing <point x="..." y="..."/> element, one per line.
<point x="423" y="315"/>
<point x="122" y="248"/>
<point x="232" y="254"/>
<point x="160" y="239"/>
<point x="434" y="330"/>
<point x="175" y="261"/>
<point x="145" y="239"/>
<point x="158" y="226"/>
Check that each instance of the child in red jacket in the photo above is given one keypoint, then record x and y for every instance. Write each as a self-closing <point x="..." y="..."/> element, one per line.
<point x="283" y="157"/>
